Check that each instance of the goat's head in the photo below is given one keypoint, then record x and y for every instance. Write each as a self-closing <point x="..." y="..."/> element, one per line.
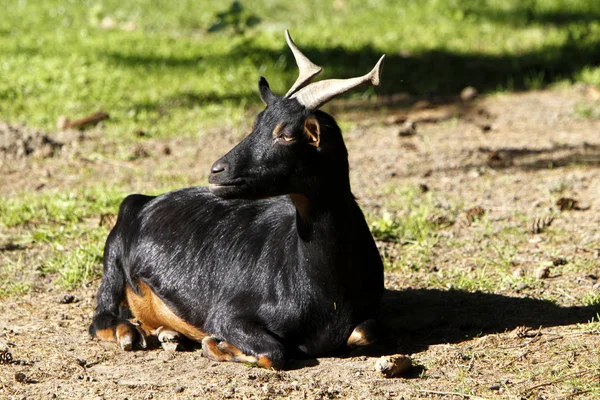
<point x="293" y="147"/>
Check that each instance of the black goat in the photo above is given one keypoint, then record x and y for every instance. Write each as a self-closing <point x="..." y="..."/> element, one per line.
<point x="273" y="259"/>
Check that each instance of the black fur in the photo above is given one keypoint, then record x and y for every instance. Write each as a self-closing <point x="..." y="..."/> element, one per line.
<point x="276" y="257"/>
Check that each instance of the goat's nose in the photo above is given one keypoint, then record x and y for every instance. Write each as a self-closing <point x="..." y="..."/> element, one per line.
<point x="218" y="166"/>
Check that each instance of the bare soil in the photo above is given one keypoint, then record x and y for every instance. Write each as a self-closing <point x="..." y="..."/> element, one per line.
<point x="512" y="155"/>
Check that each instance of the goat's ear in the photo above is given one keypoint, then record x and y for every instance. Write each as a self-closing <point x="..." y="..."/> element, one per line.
<point x="265" y="92"/>
<point x="312" y="130"/>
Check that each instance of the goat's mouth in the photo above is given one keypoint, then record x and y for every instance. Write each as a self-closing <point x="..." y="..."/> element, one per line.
<point x="229" y="189"/>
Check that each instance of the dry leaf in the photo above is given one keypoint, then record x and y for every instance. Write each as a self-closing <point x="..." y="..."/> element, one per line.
<point x="474" y="214"/>
<point x="108" y="220"/>
<point x="539" y="225"/>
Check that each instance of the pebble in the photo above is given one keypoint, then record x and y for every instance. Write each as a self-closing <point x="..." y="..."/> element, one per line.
<point x="409" y="128"/>
<point x="67" y="299"/>
<point x="392" y="366"/>
<point x="468" y="93"/>
<point x="542" y="272"/>
<point x="20" y="377"/>
<point x="518" y="272"/>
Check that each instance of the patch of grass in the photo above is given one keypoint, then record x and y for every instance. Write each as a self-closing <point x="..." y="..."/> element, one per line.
<point x="157" y="65"/>
<point x="12" y="282"/>
<point x="591" y="299"/>
<point x="479" y="280"/>
<point x="64" y="226"/>
<point x="587" y="111"/>
<point x="80" y="264"/>
<point x="590" y="75"/>
<point x="58" y="207"/>
<point x="409" y="227"/>
<point x="593" y="325"/>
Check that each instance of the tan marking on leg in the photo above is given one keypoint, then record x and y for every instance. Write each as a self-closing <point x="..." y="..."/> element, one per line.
<point x="107" y="334"/>
<point x="153" y="313"/>
<point x="265" y="362"/>
<point x="237" y="354"/>
<point x="225" y="351"/>
<point x="211" y="350"/>
<point x="359" y="337"/>
<point x="125" y="336"/>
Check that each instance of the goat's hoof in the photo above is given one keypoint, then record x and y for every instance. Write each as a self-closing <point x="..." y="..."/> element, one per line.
<point x="363" y="334"/>
<point x="125" y="335"/>
<point x="169" y="340"/>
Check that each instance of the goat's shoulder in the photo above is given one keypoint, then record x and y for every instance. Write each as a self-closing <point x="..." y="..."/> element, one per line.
<point x="197" y="205"/>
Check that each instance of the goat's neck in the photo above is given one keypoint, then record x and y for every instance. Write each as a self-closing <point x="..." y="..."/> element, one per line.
<point x="321" y="212"/>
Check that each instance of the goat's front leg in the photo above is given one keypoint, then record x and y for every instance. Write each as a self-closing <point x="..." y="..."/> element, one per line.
<point x="245" y="342"/>
<point x="364" y="334"/>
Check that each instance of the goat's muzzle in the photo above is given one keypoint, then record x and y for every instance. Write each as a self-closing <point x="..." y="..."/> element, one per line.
<point x="220" y="183"/>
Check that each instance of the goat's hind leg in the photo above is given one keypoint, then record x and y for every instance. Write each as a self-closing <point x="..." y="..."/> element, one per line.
<point x="110" y="317"/>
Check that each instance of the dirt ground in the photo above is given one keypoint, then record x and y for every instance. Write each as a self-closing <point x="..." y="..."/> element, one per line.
<point x="513" y="155"/>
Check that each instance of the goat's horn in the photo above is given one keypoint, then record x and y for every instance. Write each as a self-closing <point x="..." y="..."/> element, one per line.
<point x="316" y="94"/>
<point x="308" y="70"/>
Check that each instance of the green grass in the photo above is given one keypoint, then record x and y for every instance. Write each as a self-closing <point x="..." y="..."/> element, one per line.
<point x="410" y="224"/>
<point x="62" y="228"/>
<point x="58" y="207"/>
<point x="170" y="76"/>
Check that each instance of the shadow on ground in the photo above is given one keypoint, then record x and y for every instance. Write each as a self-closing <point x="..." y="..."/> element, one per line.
<point x="414" y="319"/>
<point x="557" y="156"/>
<point x="431" y="72"/>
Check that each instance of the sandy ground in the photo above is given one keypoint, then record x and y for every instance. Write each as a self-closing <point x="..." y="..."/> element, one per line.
<point x="512" y="155"/>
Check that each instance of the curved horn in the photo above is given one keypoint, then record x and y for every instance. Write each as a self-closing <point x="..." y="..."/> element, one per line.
<point x="308" y="70"/>
<point x="316" y="94"/>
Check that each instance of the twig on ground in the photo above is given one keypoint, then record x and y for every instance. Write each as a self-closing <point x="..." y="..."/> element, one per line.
<point x="463" y="395"/>
<point x="564" y="378"/>
<point x="86" y="122"/>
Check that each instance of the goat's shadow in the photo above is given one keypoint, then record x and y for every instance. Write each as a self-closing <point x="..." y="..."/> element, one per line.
<point x="413" y="319"/>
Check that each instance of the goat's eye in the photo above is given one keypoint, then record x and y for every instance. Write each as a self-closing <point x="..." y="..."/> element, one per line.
<point x="283" y="133"/>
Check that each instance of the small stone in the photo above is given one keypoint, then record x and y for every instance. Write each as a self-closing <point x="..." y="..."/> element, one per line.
<point x="409" y="128"/>
<point x="179" y="389"/>
<point x="468" y="93"/>
<point x="520" y="286"/>
<point x="495" y="387"/>
<point x="20" y="377"/>
<point x="392" y="366"/>
<point x="559" y="261"/>
<point x="67" y="299"/>
<point x="542" y="272"/>
<point x="518" y="272"/>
